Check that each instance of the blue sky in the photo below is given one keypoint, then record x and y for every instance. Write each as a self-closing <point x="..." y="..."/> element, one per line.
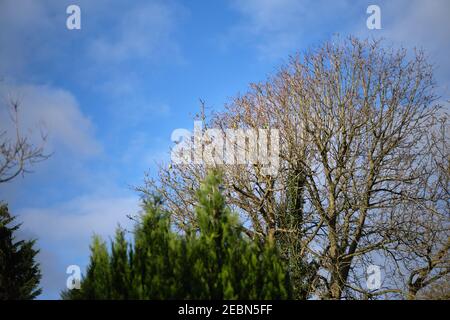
<point x="109" y="95"/>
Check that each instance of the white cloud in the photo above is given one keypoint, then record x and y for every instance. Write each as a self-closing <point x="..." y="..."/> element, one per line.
<point x="145" y="151"/>
<point x="75" y="221"/>
<point x="275" y="27"/>
<point x="131" y="102"/>
<point x="22" y="26"/>
<point x="422" y="24"/>
<point x="270" y="15"/>
<point x="144" y="31"/>
<point x="64" y="233"/>
<point x="57" y="112"/>
<point x="278" y="27"/>
<point x="113" y="31"/>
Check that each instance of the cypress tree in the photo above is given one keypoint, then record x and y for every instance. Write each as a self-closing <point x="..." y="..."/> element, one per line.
<point x="98" y="284"/>
<point x="19" y="272"/>
<point x="120" y="268"/>
<point x="237" y="267"/>
<point x="155" y="254"/>
<point x="217" y="239"/>
<point x="215" y="260"/>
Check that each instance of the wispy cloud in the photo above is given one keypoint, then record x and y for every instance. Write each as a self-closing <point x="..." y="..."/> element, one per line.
<point x="275" y="27"/>
<point x="56" y="112"/>
<point x="22" y="26"/>
<point x="69" y="226"/>
<point x="142" y="32"/>
<point x="421" y="24"/>
<point x="78" y="219"/>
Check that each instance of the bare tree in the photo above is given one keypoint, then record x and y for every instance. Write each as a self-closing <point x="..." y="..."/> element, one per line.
<point x="354" y="120"/>
<point x="425" y="247"/>
<point x="17" y="153"/>
<point x="439" y="290"/>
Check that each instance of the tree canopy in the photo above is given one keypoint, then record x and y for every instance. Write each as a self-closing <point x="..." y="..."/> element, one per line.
<point x="363" y="173"/>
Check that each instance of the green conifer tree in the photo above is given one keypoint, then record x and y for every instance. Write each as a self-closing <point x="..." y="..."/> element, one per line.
<point x="120" y="268"/>
<point x="214" y="260"/>
<point x="19" y="272"/>
<point x="97" y="284"/>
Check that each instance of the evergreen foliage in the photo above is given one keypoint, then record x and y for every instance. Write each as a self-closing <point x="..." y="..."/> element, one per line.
<point x="216" y="260"/>
<point x="19" y="272"/>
